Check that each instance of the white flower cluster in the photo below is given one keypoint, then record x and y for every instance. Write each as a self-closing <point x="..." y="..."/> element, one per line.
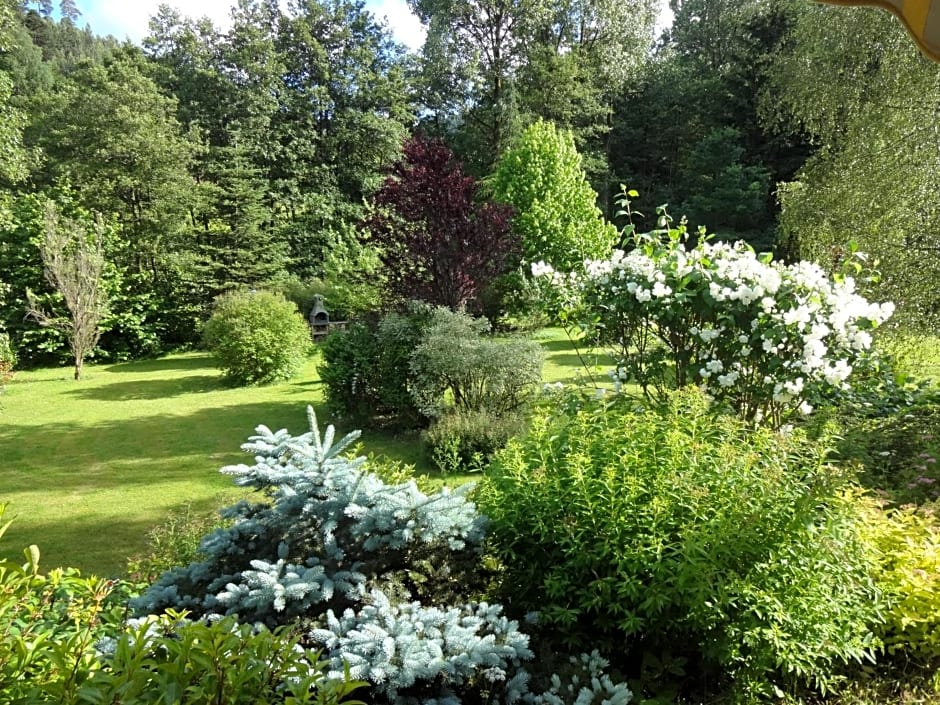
<point x="744" y="326"/>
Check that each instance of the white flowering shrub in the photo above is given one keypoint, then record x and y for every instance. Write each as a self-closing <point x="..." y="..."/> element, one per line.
<point x="765" y="337"/>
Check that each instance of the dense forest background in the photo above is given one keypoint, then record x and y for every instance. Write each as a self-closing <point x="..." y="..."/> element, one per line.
<point x="250" y="157"/>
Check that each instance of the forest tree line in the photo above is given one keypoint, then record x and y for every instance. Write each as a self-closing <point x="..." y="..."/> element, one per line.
<point x="251" y="156"/>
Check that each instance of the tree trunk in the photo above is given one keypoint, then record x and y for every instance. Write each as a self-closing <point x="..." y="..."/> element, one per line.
<point x="79" y="362"/>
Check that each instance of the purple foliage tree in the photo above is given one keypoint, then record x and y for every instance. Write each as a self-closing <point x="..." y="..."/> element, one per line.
<point x="439" y="242"/>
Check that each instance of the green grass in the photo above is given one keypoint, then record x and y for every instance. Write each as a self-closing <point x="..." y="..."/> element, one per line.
<point x="571" y="363"/>
<point x="91" y="466"/>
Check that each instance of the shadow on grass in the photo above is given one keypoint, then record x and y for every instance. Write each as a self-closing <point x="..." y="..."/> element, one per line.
<point x="77" y="543"/>
<point x="154" y="449"/>
<point x="91" y="493"/>
<point x="571" y="360"/>
<point x="562" y="345"/>
<point x="151" y="389"/>
<point x="174" y="363"/>
<point x="134" y="451"/>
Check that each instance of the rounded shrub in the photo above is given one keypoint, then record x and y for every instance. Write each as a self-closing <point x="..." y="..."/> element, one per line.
<point x="365" y="370"/>
<point x="908" y="542"/>
<point x="456" y="363"/>
<point x="258" y="337"/>
<point x="676" y="533"/>
<point x="465" y="440"/>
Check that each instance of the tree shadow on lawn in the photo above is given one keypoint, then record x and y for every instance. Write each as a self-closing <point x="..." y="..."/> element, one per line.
<point x="573" y="361"/>
<point x="95" y="544"/>
<point x="71" y="457"/>
<point x="550" y="346"/>
<point x="87" y="543"/>
<point x="173" y="363"/>
<point x="139" y="450"/>
<point x="151" y="389"/>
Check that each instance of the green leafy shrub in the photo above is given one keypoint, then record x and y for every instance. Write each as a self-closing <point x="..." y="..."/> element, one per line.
<point x="908" y="541"/>
<point x="498" y="376"/>
<point x="465" y="440"/>
<point x="49" y="625"/>
<point x="64" y="641"/>
<point x="258" y="337"/>
<point x="174" y="541"/>
<point x="7" y="359"/>
<point x="677" y="532"/>
<point x="169" y="659"/>
<point x="557" y="217"/>
<point x="513" y="302"/>
<point x="365" y="370"/>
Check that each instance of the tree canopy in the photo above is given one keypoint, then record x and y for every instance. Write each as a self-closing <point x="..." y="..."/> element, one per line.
<point x="557" y="218"/>
<point x="251" y="155"/>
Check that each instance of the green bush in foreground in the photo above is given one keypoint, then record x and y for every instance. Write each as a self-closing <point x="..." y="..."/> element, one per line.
<point x="166" y="659"/>
<point x="677" y="533"/>
<point x="49" y="625"/>
<point x="64" y="641"/>
<point x="258" y="337"/>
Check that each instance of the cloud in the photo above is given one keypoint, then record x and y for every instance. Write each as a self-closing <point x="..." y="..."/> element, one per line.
<point x="405" y="25"/>
<point x="130" y="20"/>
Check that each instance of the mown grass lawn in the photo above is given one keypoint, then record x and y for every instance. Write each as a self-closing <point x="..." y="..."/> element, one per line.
<point x="90" y="466"/>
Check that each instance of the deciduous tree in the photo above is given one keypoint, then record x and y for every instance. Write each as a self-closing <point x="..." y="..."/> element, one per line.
<point x="557" y="219"/>
<point x="439" y="243"/>
<point x="875" y="181"/>
<point x="74" y="265"/>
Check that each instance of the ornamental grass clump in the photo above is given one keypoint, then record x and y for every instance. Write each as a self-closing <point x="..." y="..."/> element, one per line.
<point x="770" y="340"/>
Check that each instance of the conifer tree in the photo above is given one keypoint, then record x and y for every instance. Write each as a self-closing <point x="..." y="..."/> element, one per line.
<point x="381" y="572"/>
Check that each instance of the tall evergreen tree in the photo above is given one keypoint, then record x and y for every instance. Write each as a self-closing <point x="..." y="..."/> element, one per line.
<point x="706" y="79"/>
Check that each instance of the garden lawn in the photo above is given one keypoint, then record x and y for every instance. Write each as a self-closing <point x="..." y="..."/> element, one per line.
<point x="91" y="466"/>
<point x="569" y="362"/>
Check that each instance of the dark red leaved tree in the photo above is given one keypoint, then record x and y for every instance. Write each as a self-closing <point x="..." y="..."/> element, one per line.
<point x="439" y="243"/>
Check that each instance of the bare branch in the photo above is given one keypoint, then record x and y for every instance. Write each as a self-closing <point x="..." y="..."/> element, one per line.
<point x="74" y="262"/>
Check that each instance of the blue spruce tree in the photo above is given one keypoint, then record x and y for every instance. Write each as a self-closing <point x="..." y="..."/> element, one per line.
<point x="377" y="573"/>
